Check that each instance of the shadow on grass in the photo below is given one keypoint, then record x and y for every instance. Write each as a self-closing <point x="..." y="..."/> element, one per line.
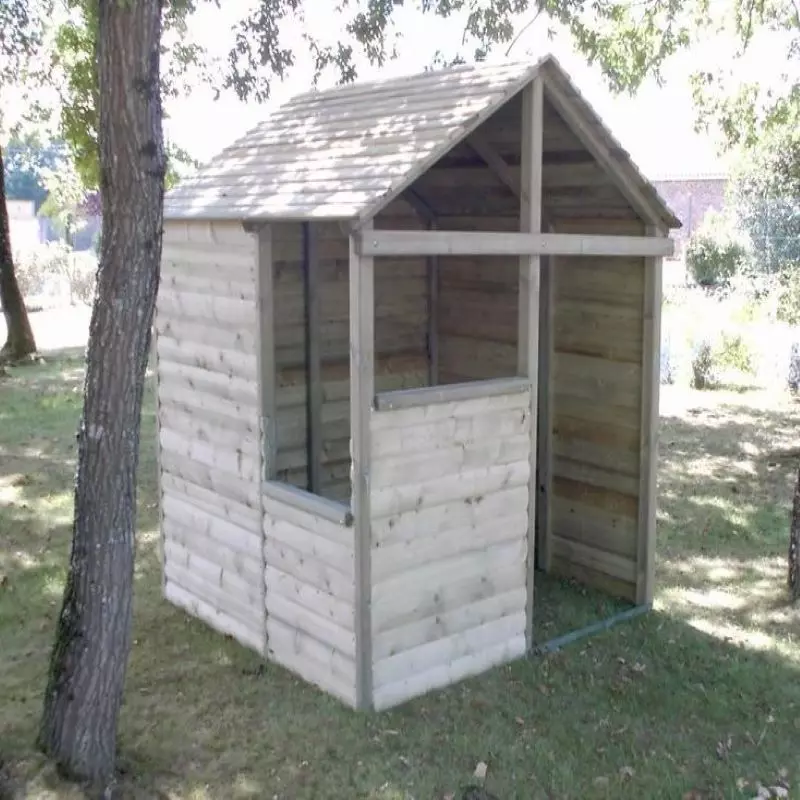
<point x="725" y="489"/>
<point x="658" y="707"/>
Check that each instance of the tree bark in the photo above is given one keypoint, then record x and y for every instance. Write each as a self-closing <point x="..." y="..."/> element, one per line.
<point x="89" y="658"/>
<point x="19" y="338"/>
<point x="794" y="545"/>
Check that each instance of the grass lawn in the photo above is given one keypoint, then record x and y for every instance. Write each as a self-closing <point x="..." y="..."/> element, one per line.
<point x="699" y="699"/>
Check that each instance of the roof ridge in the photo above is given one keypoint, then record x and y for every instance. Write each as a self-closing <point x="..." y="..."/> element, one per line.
<point x="357" y="85"/>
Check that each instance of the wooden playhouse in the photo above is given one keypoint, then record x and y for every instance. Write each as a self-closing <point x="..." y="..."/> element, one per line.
<point x="407" y="351"/>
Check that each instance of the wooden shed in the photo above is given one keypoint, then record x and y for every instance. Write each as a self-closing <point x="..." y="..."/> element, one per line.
<point x="407" y="352"/>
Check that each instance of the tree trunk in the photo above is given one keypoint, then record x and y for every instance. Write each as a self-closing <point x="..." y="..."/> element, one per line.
<point x="89" y="658"/>
<point x="19" y="339"/>
<point x="794" y="545"/>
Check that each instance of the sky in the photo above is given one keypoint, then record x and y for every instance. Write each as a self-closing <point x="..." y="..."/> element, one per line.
<point x="655" y="126"/>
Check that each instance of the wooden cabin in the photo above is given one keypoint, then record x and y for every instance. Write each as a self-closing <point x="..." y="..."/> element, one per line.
<point x="407" y="353"/>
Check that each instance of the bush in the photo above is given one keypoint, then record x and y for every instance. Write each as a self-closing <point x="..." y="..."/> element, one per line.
<point x="39" y="268"/>
<point x="735" y="353"/>
<point x="53" y="268"/>
<point x="788" y="295"/>
<point x="705" y="372"/>
<point x="82" y="277"/>
<point x="793" y="377"/>
<point x="714" y="260"/>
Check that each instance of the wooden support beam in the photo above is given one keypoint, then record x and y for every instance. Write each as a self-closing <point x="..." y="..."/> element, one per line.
<point x="362" y="393"/>
<point x="450" y="393"/>
<point x="495" y="162"/>
<point x="426" y="214"/>
<point x="544" y="455"/>
<point x="432" y="267"/>
<point x="322" y="507"/>
<point x="265" y="351"/>
<point x="267" y="381"/>
<point x="609" y="160"/>
<point x="479" y="243"/>
<point x="530" y="222"/>
<point x="313" y="358"/>
<point x="648" y="436"/>
<point x="159" y="472"/>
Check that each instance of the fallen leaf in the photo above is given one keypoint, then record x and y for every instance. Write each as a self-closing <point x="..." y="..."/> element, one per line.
<point x="403" y="760"/>
<point x="638" y="667"/>
<point x="626" y="773"/>
<point x="741" y="783"/>
<point x="601" y="781"/>
<point x="480" y="771"/>
<point x="519" y="721"/>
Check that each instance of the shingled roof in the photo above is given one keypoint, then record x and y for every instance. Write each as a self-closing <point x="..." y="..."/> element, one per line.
<point x="347" y="152"/>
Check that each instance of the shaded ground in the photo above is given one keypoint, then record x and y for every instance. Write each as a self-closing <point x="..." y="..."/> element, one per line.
<point x="702" y="695"/>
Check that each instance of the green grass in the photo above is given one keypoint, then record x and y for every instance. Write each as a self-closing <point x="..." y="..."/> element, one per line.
<point x="701" y="695"/>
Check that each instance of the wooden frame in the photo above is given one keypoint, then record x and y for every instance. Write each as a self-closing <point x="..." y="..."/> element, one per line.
<point x="266" y="376"/>
<point x="362" y="392"/>
<point x="329" y="510"/>
<point x="495" y="162"/>
<point x="544" y="454"/>
<point x="265" y="349"/>
<point x="530" y="221"/>
<point x="595" y="145"/>
<point x="527" y="243"/>
<point x="450" y="393"/>
<point x="432" y="269"/>
<point x="154" y="368"/>
<point x="648" y="446"/>
<point x="313" y="360"/>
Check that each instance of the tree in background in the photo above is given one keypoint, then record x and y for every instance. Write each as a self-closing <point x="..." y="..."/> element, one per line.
<point x="26" y="162"/>
<point x="766" y="195"/>
<point x="65" y="195"/>
<point x="714" y="255"/>
<point x="22" y="33"/>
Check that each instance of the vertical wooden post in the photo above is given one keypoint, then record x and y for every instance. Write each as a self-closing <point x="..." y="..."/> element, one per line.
<point x="313" y="359"/>
<point x="159" y="472"/>
<point x="530" y="221"/>
<point x="267" y="380"/>
<point x="362" y="394"/>
<point x="544" y="455"/>
<point x="432" y="263"/>
<point x="265" y="351"/>
<point x="649" y="420"/>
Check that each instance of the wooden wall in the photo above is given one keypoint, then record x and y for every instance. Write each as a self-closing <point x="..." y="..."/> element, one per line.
<point x="208" y="418"/>
<point x="449" y="503"/>
<point x="595" y="369"/>
<point x="400" y="346"/>
<point x="310" y="597"/>
<point x="477" y="319"/>
<point x="597" y="391"/>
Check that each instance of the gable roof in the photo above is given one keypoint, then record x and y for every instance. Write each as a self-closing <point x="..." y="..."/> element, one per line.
<point x="347" y="152"/>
